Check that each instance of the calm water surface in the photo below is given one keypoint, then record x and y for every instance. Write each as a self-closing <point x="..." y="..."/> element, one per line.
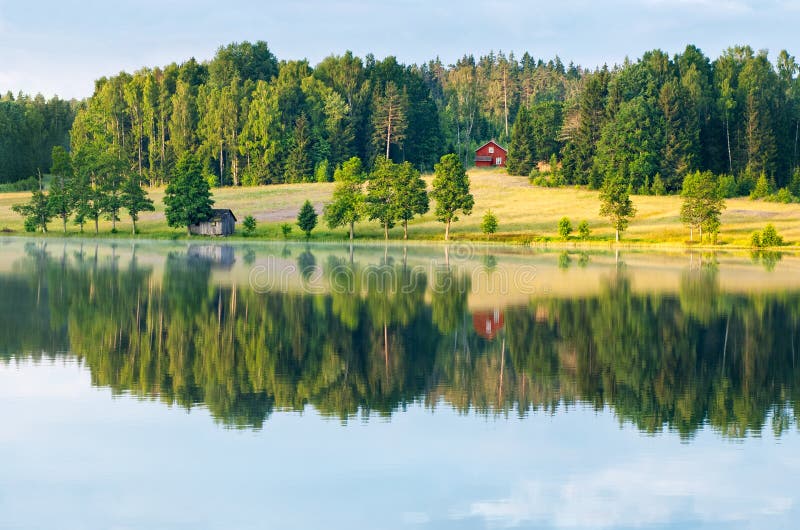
<point x="166" y="385"/>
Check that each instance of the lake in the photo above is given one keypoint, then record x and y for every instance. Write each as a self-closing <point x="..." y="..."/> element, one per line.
<point x="192" y="385"/>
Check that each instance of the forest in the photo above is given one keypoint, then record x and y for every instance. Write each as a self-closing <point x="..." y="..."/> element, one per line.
<point x="29" y="129"/>
<point x="256" y="120"/>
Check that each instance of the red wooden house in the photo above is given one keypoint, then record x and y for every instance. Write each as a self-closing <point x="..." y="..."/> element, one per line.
<point x="490" y="154"/>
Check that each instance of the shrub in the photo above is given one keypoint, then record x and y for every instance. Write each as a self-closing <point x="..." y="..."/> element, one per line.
<point x="249" y="225"/>
<point x="489" y="223"/>
<point x="564" y="228"/>
<point x="794" y="185"/>
<point x="286" y="229"/>
<point x="583" y="230"/>
<point x="322" y="171"/>
<point x="657" y="187"/>
<point x="770" y="237"/>
<point x="727" y="186"/>
<point x="783" y="195"/>
<point x="762" y="188"/>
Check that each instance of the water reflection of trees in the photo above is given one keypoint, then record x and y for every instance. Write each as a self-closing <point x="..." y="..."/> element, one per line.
<point x="396" y="336"/>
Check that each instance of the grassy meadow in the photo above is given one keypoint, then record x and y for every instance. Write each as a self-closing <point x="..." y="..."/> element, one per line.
<point x="526" y="214"/>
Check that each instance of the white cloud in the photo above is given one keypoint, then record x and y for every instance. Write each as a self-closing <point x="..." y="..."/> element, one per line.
<point x="640" y="493"/>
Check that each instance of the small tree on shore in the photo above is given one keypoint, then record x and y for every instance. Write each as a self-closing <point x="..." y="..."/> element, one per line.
<point x="380" y="202"/>
<point x="489" y="223"/>
<point x="702" y="202"/>
<point x="62" y="192"/>
<point x="564" y="228"/>
<point x="583" y="230"/>
<point x="347" y="205"/>
<point x="307" y="218"/>
<point x="249" y="225"/>
<point x="188" y="197"/>
<point x="451" y="191"/>
<point x="411" y="195"/>
<point x="37" y="212"/>
<point x="616" y="203"/>
<point x="135" y="199"/>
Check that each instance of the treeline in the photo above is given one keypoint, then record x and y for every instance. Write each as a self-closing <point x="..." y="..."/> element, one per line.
<point x="399" y="335"/>
<point x="255" y="120"/>
<point x="29" y="129"/>
<point x="656" y="120"/>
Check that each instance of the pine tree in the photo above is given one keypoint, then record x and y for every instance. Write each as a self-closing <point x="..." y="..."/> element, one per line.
<point x="522" y="150"/>
<point x="299" y="166"/>
<point x="307" y="218"/>
<point x="188" y="197"/>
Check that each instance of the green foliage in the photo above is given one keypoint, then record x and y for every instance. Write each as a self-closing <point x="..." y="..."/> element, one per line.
<point x="702" y="202"/>
<point x="451" y="191"/>
<point x="249" y="225"/>
<point x="564" y="228"/>
<point x="657" y="187"/>
<point x="411" y="195"/>
<point x="135" y="199"/>
<point x="783" y="196"/>
<point x="307" y="218"/>
<point x="755" y="240"/>
<point x="770" y="237"/>
<point x="762" y="188"/>
<point x="37" y="212"/>
<point x="583" y="230"/>
<point x="489" y="223"/>
<point x="286" y="230"/>
<point x="347" y="204"/>
<point x="727" y="186"/>
<point x="188" y="197"/>
<point x="322" y="172"/>
<point x="616" y="203"/>
<point x="522" y="150"/>
<point x="381" y="202"/>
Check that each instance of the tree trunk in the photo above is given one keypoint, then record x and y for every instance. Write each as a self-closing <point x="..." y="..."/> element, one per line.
<point x="728" y="138"/>
<point x="389" y="132"/>
<point x="133" y="230"/>
<point x="96" y="226"/>
<point x="64" y="220"/>
<point x="405" y="229"/>
<point x="221" y="165"/>
<point x="700" y="228"/>
<point x="351" y="230"/>
<point x="447" y="231"/>
<point x="386" y="231"/>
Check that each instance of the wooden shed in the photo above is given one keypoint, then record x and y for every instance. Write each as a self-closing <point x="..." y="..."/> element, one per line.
<point x="490" y="154"/>
<point x="221" y="223"/>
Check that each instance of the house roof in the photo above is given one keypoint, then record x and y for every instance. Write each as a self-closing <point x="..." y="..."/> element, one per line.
<point x="492" y="142"/>
<point x="219" y="212"/>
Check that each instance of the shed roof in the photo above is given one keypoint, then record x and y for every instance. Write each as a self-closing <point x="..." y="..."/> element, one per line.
<point x="218" y="213"/>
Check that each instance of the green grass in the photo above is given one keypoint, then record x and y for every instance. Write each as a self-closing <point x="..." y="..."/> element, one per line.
<point x="526" y="214"/>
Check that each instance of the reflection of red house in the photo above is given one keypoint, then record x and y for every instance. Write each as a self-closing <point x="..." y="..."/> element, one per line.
<point x="490" y="154"/>
<point x="487" y="323"/>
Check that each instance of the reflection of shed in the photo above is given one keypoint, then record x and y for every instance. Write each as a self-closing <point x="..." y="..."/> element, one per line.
<point x="487" y="323"/>
<point x="221" y="256"/>
<point x="221" y="223"/>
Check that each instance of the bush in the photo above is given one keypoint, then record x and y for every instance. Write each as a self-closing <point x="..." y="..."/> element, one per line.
<point x="286" y="229"/>
<point x="770" y="237"/>
<point x="783" y="195"/>
<point x="322" y="172"/>
<point x="489" y="223"/>
<point x="727" y="186"/>
<point x="249" y="225"/>
<point x="28" y="184"/>
<point x="564" y="228"/>
<point x="657" y="187"/>
<point x="762" y="188"/>
<point x="583" y="230"/>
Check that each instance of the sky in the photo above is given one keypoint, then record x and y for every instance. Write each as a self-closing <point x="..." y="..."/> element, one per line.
<point x="61" y="47"/>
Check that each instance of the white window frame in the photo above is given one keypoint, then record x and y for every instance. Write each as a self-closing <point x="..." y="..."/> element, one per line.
<point x="491" y="150"/>
<point x="498" y="160"/>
